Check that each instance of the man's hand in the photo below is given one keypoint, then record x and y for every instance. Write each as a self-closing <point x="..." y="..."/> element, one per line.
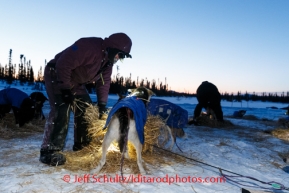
<point x="101" y="109"/>
<point x="67" y="96"/>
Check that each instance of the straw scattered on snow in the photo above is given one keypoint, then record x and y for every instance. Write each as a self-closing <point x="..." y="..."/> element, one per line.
<point x="88" y="158"/>
<point x="9" y="130"/>
<point x="281" y="133"/>
<point x="205" y="120"/>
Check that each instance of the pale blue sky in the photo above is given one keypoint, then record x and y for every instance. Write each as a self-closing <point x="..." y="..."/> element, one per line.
<point x="239" y="45"/>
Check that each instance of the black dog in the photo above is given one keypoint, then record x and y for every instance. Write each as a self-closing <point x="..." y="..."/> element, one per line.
<point x="38" y="98"/>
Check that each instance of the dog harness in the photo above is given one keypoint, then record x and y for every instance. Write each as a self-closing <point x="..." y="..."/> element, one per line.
<point x="139" y="112"/>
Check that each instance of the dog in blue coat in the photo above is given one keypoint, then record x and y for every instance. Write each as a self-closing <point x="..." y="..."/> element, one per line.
<point x="22" y="105"/>
<point x="125" y="122"/>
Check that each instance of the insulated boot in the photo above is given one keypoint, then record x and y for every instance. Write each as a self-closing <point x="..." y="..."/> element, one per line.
<point x="45" y="156"/>
<point x="52" y="157"/>
<point x="57" y="159"/>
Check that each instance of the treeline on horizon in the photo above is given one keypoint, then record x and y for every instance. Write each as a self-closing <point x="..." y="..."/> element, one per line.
<point x="120" y="84"/>
<point x="25" y="71"/>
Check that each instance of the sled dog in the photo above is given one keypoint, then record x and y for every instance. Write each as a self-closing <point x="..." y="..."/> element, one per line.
<point x="125" y="122"/>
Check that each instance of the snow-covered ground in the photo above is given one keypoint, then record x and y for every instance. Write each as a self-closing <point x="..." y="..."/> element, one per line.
<point x="243" y="149"/>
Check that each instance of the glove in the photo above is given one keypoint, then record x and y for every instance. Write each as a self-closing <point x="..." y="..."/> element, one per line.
<point x="67" y="96"/>
<point x="101" y="109"/>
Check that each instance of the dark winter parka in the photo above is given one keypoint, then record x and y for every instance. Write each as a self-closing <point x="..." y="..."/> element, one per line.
<point x="86" y="61"/>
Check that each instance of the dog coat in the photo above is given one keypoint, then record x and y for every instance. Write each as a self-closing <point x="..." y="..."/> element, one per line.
<point x="175" y="116"/>
<point x="139" y="112"/>
<point x="12" y="96"/>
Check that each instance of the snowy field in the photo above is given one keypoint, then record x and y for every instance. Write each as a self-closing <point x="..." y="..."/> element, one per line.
<point x="243" y="149"/>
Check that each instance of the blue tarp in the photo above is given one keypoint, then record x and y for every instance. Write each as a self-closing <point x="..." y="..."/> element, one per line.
<point x="175" y="116"/>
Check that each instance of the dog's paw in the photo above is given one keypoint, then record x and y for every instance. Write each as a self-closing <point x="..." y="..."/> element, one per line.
<point x="96" y="170"/>
<point x="171" y="147"/>
<point x="143" y="172"/>
<point x="185" y="136"/>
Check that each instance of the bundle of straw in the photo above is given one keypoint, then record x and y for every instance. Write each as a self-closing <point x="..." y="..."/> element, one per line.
<point x="88" y="157"/>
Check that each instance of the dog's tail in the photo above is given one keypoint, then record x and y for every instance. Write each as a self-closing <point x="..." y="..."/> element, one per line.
<point x="124" y="116"/>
